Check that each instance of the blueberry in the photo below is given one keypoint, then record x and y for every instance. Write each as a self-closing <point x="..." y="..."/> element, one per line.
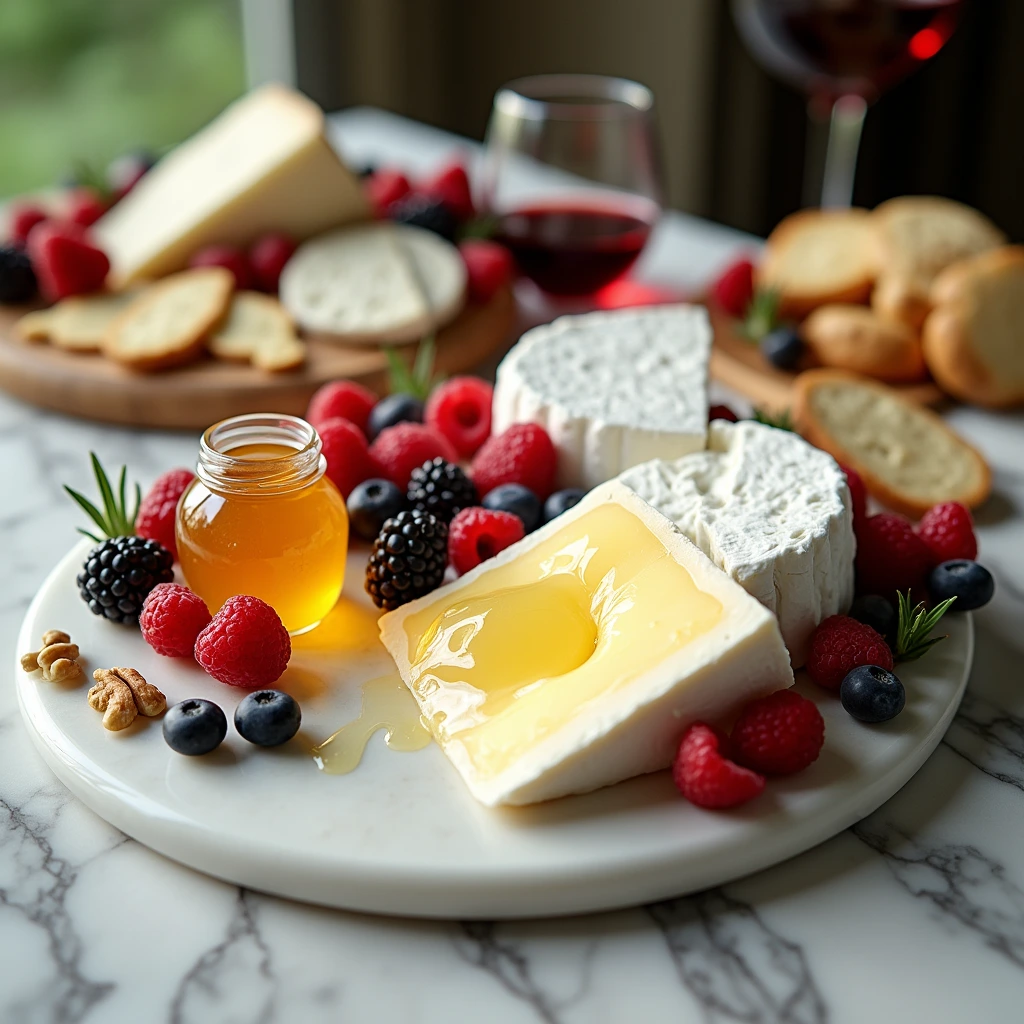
<point x="871" y="693"/>
<point x="782" y="347"/>
<point x="562" y="501"/>
<point x="267" y="718"/>
<point x="971" y="584"/>
<point x="195" y="727"/>
<point x="878" y="613"/>
<point x="370" y="504"/>
<point x="518" y="500"/>
<point x="397" y="408"/>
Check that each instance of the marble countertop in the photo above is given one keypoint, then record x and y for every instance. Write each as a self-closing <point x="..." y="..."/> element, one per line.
<point x="915" y="914"/>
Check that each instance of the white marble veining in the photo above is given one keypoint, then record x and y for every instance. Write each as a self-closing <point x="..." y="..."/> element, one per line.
<point x="916" y="914"/>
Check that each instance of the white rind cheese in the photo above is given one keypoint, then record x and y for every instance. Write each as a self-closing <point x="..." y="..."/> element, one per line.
<point x="613" y="389"/>
<point x="629" y="726"/>
<point x="374" y="283"/>
<point x="770" y="510"/>
<point x="263" y="165"/>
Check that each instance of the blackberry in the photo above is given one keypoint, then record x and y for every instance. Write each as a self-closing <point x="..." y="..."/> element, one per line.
<point x="408" y="559"/>
<point x="17" y="278"/>
<point x="420" y="211"/>
<point x="440" y="488"/>
<point x="119" y="574"/>
<point x="122" y="569"/>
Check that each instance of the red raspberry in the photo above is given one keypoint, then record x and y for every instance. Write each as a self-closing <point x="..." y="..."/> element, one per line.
<point x="23" y="218"/>
<point x="476" y="534"/>
<point x="65" y="261"/>
<point x="733" y="289"/>
<point x="450" y="186"/>
<point x="890" y="556"/>
<point x="85" y="206"/>
<point x="245" y="644"/>
<point x="488" y="267"/>
<point x="778" y="735"/>
<point x="722" y="412"/>
<point x="858" y="494"/>
<point x="267" y="257"/>
<point x="398" y="450"/>
<point x="159" y="507"/>
<point x="171" y="619"/>
<point x="349" y="461"/>
<point x="230" y="257"/>
<point x="460" y="409"/>
<point x="706" y="777"/>
<point x="949" y="531"/>
<point x="385" y="187"/>
<point x="840" y="644"/>
<point x="523" y="454"/>
<point x="342" y="398"/>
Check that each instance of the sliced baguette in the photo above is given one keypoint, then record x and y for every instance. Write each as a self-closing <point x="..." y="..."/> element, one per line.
<point x="816" y="257"/>
<point x="257" y="330"/>
<point x="855" y="338"/>
<point x="169" y="324"/>
<point x="974" y="337"/>
<point x="77" y="324"/>
<point x="909" y="459"/>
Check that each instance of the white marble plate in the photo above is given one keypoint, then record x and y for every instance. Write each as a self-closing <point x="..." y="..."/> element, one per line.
<point x="400" y="835"/>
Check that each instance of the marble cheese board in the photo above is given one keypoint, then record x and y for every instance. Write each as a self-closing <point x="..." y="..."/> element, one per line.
<point x="400" y="834"/>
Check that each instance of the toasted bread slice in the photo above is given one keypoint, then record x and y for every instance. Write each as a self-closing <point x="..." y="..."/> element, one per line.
<point x="974" y="337"/>
<point x="817" y="257"/>
<point x="169" y="324"/>
<point x="77" y="324"/>
<point x="916" y="237"/>
<point x="855" y="338"/>
<point x="909" y="459"/>
<point x="258" y="331"/>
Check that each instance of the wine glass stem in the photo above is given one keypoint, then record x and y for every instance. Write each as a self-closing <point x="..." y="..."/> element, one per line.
<point x="844" y="133"/>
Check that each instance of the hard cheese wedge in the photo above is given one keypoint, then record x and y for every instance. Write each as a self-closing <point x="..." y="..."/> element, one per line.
<point x="262" y="165"/>
<point x="576" y="658"/>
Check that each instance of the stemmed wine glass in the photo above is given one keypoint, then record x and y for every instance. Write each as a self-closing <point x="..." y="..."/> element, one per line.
<point x="844" y="54"/>
<point x="572" y="174"/>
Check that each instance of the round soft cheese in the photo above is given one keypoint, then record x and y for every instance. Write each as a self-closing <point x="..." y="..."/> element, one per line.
<point x="769" y="509"/>
<point x="613" y="389"/>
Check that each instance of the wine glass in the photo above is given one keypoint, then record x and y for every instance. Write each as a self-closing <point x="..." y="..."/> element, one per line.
<point x="844" y="54"/>
<point x="572" y="174"/>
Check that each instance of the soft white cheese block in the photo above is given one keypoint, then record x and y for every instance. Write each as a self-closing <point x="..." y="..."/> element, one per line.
<point x="613" y="389"/>
<point x="263" y="165"/>
<point x="674" y="640"/>
<point x="769" y="509"/>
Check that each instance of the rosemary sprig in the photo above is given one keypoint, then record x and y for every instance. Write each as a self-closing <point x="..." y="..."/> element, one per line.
<point x="915" y="625"/>
<point x="115" y="520"/>
<point x="762" y="314"/>
<point x="781" y="421"/>
<point x="419" y="379"/>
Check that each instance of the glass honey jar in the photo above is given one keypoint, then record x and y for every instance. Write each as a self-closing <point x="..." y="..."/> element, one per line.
<point x="261" y="518"/>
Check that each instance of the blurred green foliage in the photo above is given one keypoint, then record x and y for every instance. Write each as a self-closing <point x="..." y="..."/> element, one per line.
<point x="86" y="80"/>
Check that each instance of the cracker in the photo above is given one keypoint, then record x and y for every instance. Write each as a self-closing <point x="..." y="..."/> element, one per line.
<point x="258" y="331"/>
<point x="77" y="324"/>
<point x="168" y="325"/>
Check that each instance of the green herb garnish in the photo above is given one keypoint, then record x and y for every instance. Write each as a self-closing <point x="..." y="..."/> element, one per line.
<point x="419" y="379"/>
<point x="781" y="420"/>
<point x="114" y="520"/>
<point x="762" y="314"/>
<point x="912" y="639"/>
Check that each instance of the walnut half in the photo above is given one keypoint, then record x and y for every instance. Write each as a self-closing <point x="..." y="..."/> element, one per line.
<point x="122" y="694"/>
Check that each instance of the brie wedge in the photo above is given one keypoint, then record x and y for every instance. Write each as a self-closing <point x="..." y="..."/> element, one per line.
<point x="612" y="389"/>
<point x="577" y="657"/>
<point x="770" y="510"/>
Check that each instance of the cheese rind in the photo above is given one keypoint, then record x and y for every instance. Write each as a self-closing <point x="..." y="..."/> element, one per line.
<point x="262" y="165"/>
<point x="612" y="389"/>
<point x="651" y="674"/>
<point x="769" y="509"/>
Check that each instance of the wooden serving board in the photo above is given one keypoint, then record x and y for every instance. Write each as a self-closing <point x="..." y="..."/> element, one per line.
<point x="738" y="364"/>
<point x="193" y="397"/>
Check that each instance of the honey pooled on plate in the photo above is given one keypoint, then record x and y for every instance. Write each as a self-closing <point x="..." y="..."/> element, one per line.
<point x="261" y="518"/>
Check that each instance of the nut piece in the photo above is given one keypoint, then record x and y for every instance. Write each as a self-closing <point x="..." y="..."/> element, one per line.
<point x="112" y="696"/>
<point x="148" y="699"/>
<point x="121" y="694"/>
<point x="58" y="658"/>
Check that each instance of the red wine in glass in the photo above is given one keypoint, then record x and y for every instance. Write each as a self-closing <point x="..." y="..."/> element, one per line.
<point x="573" y="247"/>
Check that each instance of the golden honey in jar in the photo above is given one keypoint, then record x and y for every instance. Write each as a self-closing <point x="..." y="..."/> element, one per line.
<point x="261" y="518"/>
